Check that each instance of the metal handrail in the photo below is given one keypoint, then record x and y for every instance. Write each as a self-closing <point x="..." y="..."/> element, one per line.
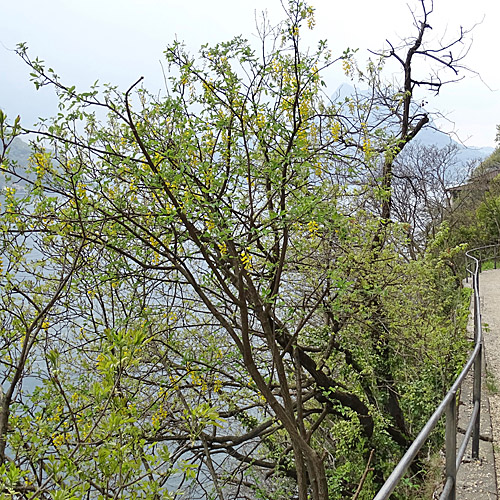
<point x="449" y="404"/>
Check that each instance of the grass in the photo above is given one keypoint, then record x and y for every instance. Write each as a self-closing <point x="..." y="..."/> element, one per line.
<point x="489" y="264"/>
<point x="433" y="482"/>
<point x="491" y="383"/>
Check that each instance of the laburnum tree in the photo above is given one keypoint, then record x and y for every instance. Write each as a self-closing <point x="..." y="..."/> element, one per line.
<point x="212" y="295"/>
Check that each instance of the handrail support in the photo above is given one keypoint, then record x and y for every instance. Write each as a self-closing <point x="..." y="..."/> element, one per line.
<point x="451" y="444"/>
<point x="476" y="397"/>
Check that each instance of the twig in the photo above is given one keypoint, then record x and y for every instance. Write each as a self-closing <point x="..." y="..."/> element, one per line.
<point x="363" y="477"/>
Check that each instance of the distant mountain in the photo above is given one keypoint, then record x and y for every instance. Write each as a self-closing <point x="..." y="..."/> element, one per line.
<point x="431" y="136"/>
<point x="18" y="152"/>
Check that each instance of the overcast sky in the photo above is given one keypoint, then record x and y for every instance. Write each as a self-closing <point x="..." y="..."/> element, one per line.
<point x="119" y="40"/>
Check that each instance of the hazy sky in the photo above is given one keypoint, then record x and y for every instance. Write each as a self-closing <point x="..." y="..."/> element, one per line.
<point x="119" y="40"/>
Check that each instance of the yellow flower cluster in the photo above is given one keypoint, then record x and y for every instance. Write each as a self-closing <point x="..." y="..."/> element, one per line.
<point x="159" y="415"/>
<point x="9" y="196"/>
<point x="60" y="439"/>
<point x="260" y="119"/>
<point x="246" y="260"/>
<point x="223" y="248"/>
<point x="197" y="380"/>
<point x="367" y="145"/>
<point x="347" y="67"/>
<point x="57" y="415"/>
<point x="172" y="317"/>
<point x="208" y="175"/>
<point x="217" y="384"/>
<point x="277" y="66"/>
<point x="302" y="140"/>
<point x="308" y="14"/>
<point x="41" y="161"/>
<point x="313" y="228"/>
<point x="318" y="168"/>
<point x="208" y="86"/>
<point x="366" y="142"/>
<point x="335" y="130"/>
<point x="174" y="382"/>
<point x="210" y="224"/>
<point x="100" y="361"/>
<point x="156" y="258"/>
<point x="203" y="383"/>
<point x="81" y="190"/>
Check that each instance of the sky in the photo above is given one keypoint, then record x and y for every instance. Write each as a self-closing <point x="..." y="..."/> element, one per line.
<point x="117" y="41"/>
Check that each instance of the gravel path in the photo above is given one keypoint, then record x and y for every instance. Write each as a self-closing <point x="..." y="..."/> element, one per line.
<point x="489" y="288"/>
<point x="476" y="479"/>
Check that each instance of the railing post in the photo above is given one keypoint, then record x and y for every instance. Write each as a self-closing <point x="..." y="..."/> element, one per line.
<point x="451" y="444"/>
<point x="476" y="305"/>
<point x="476" y="398"/>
